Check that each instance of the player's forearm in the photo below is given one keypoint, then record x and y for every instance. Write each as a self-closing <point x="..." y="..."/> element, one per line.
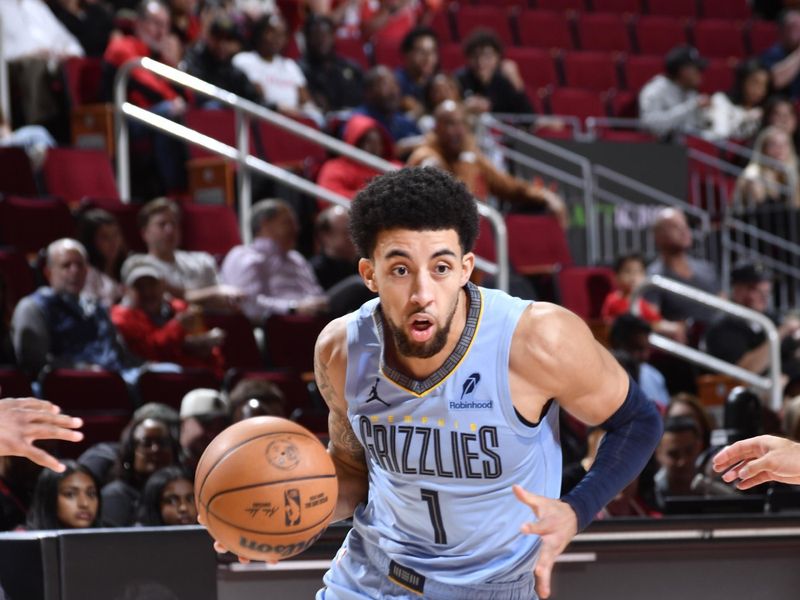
<point x="353" y="488"/>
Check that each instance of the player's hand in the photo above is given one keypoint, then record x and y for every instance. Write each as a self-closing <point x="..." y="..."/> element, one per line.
<point x="556" y="524"/>
<point x="220" y="549"/>
<point x="758" y="460"/>
<point x="25" y="420"/>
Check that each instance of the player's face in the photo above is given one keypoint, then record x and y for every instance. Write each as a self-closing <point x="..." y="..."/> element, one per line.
<point x="77" y="501"/>
<point x="177" y="503"/>
<point x="418" y="276"/>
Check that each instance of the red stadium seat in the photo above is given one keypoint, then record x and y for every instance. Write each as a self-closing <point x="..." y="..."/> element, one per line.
<point x="170" y="388"/>
<point x="100" y="398"/>
<point x="239" y="349"/>
<point x="16" y="173"/>
<point x="14" y="384"/>
<point x="763" y="35"/>
<point x="578" y="103"/>
<point x="470" y="18"/>
<point x="605" y="32"/>
<point x="484" y="245"/>
<point x="210" y="228"/>
<point x="725" y="9"/>
<point x="638" y="70"/>
<point x="544" y="29"/>
<point x="30" y="224"/>
<point x="590" y="70"/>
<point x="287" y="149"/>
<point x="536" y="66"/>
<point x="624" y="6"/>
<point x="718" y="76"/>
<point x="218" y="124"/>
<point x="718" y="38"/>
<point x="672" y="8"/>
<point x="83" y="80"/>
<point x="658" y="35"/>
<point x="451" y="57"/>
<point x="17" y="275"/>
<point x="560" y="5"/>
<point x="506" y="3"/>
<point x="584" y="289"/>
<point x="74" y="174"/>
<point x="291" y="339"/>
<point x="536" y="244"/>
<point x="625" y="105"/>
<point x="443" y="26"/>
<point x="352" y="49"/>
<point x="387" y="52"/>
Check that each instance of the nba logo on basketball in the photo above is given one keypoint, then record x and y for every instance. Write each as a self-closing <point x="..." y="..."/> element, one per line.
<point x="291" y="502"/>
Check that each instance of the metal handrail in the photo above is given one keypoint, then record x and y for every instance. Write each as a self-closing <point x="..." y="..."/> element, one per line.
<point x="770" y="384"/>
<point x="244" y="111"/>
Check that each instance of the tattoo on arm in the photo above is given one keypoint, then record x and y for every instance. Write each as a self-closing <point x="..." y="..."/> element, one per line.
<point x="342" y="436"/>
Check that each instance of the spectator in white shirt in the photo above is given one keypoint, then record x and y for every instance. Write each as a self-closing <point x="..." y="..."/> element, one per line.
<point x="738" y="113"/>
<point x="280" y="79"/>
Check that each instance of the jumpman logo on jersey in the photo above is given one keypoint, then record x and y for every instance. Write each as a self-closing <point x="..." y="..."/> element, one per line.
<point x="373" y="394"/>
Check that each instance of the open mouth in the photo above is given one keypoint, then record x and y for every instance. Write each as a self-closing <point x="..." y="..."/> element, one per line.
<point x="421" y="328"/>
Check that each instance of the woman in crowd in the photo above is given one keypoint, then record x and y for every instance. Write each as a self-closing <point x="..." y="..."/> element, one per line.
<point x="772" y="175"/>
<point x="66" y="500"/>
<point x="146" y="446"/>
<point x="168" y="499"/>
<point x="738" y="113"/>
<point x="100" y="234"/>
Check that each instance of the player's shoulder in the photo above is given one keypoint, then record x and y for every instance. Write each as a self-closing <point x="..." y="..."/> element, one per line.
<point x="548" y="328"/>
<point x="332" y="340"/>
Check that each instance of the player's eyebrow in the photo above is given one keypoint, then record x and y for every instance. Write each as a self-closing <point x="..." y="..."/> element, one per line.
<point x="403" y="254"/>
<point x="443" y="252"/>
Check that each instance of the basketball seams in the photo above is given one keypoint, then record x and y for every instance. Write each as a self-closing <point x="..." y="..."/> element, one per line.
<point x="295" y="532"/>
<point x="230" y="450"/>
<point x="266" y="484"/>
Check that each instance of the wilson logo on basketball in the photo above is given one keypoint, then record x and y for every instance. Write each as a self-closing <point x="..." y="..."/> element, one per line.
<point x="283" y="454"/>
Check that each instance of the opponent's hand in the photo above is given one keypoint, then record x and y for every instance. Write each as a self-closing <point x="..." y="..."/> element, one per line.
<point x="25" y="420"/>
<point x="758" y="460"/>
<point x="556" y="524"/>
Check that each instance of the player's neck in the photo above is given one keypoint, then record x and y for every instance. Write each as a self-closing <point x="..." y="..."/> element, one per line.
<point x="421" y="368"/>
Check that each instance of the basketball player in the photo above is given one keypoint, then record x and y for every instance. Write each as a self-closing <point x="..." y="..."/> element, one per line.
<point x="25" y="420"/>
<point x="444" y="401"/>
<point x="443" y="396"/>
<point x="758" y="460"/>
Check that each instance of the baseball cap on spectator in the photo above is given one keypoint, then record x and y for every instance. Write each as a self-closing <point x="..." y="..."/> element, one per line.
<point x="681" y="56"/>
<point x="749" y="273"/>
<point x="138" y="266"/>
<point x="203" y="403"/>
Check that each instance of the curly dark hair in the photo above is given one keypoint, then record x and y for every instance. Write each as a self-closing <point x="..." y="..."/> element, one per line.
<point x="416" y="198"/>
<point x="481" y="38"/>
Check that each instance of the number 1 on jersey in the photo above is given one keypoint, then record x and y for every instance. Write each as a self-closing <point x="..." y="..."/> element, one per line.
<point x="431" y="497"/>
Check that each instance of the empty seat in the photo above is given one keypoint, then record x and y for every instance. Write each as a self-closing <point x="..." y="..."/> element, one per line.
<point x="578" y="103"/>
<point x="544" y="29"/>
<point x="536" y="66"/>
<point x="291" y="339"/>
<point x="718" y="38"/>
<point x="762" y="35"/>
<point x="718" y="76"/>
<point x="725" y="9"/>
<point x="625" y="6"/>
<point x="219" y="124"/>
<point x="560" y="5"/>
<point x="210" y="228"/>
<point x="625" y="105"/>
<point x="672" y="8"/>
<point x="386" y="51"/>
<point x="638" y="70"/>
<point x="485" y="244"/>
<point x="16" y="173"/>
<point x="470" y="18"/>
<point x="74" y="174"/>
<point x="658" y="35"/>
<point x="451" y="57"/>
<point x="170" y="388"/>
<point x="584" y="289"/>
<point x="14" y="384"/>
<point x="239" y="349"/>
<point x="536" y="244"/>
<point x="590" y="70"/>
<point x="288" y="149"/>
<point x="606" y="32"/>
<point x="30" y="224"/>
<point x="443" y="26"/>
<point x="17" y="274"/>
<point x="83" y="77"/>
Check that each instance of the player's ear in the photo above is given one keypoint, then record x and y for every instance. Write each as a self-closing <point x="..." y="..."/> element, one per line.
<point x="367" y="271"/>
<point x="467" y="266"/>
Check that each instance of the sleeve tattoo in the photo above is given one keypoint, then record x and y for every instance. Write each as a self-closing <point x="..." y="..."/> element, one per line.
<point x="342" y="436"/>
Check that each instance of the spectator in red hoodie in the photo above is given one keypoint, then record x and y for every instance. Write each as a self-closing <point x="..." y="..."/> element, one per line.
<point x="159" y="330"/>
<point x="345" y="176"/>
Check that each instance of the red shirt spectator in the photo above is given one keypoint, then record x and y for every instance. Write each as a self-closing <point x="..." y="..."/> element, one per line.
<point x="617" y="304"/>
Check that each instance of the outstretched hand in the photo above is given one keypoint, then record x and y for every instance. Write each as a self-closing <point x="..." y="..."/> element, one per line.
<point x="25" y="420"/>
<point x="556" y="524"/>
<point x="220" y="549"/>
<point x="758" y="460"/>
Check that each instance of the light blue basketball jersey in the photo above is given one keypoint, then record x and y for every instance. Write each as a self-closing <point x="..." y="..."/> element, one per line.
<point x="443" y="453"/>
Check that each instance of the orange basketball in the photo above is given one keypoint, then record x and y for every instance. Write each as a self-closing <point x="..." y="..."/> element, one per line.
<point x="266" y="488"/>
